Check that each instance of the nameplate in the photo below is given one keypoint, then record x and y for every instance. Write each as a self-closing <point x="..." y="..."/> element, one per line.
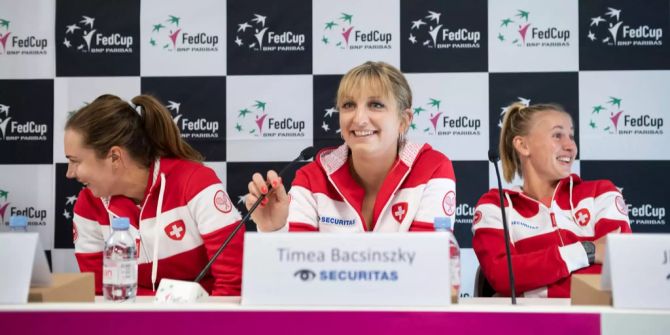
<point x="637" y="270"/>
<point x="23" y="263"/>
<point x="388" y="269"/>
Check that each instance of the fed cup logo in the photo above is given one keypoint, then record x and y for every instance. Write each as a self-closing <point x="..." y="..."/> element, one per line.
<point x="83" y="36"/>
<point x="429" y="32"/>
<point x="256" y="34"/>
<point x="609" y="29"/>
<point x="169" y="35"/>
<point x="343" y="32"/>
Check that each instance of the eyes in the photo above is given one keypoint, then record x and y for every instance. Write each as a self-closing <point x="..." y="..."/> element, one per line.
<point x="559" y="135"/>
<point x="372" y="105"/>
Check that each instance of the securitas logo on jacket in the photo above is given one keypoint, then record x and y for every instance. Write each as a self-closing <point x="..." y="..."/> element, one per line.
<point x="337" y="221"/>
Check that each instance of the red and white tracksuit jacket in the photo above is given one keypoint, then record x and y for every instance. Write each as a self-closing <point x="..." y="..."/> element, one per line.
<point x="419" y="187"/>
<point x="175" y="237"/>
<point x="545" y="240"/>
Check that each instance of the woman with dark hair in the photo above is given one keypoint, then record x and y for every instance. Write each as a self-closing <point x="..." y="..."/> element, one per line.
<point x="134" y="163"/>
<point x="557" y="221"/>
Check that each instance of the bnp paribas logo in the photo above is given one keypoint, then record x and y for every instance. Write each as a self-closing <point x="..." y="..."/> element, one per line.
<point x="192" y="127"/>
<point x="608" y="28"/>
<point x="20" y="130"/>
<point x="171" y="35"/>
<point x="344" y="32"/>
<point x="83" y="36"/>
<point x="519" y="30"/>
<point x="503" y="109"/>
<point x="609" y="116"/>
<point x="257" y="34"/>
<point x="257" y="120"/>
<point x="14" y="43"/>
<point x="4" y="204"/>
<point x="432" y="120"/>
<point x="429" y="32"/>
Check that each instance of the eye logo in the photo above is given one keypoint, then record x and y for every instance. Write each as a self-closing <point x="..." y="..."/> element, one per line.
<point x="305" y="274"/>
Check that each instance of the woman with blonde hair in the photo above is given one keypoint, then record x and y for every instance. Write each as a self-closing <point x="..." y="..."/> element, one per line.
<point x="557" y="221"/>
<point x="376" y="181"/>
<point x="134" y="163"/>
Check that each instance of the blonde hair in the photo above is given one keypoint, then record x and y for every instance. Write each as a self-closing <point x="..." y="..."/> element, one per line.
<point x="147" y="132"/>
<point x="517" y="121"/>
<point x="380" y="76"/>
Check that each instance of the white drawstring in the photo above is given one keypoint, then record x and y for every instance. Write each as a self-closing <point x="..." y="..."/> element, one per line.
<point x="572" y="206"/>
<point x="157" y="233"/>
<point x="509" y="211"/>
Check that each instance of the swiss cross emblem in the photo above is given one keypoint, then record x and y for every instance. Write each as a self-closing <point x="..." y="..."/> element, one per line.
<point x="583" y="217"/>
<point x="399" y="211"/>
<point x="222" y="202"/>
<point x="176" y="230"/>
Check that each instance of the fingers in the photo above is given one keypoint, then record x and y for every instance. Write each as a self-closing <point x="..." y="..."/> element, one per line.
<point x="259" y="183"/>
<point x="278" y="189"/>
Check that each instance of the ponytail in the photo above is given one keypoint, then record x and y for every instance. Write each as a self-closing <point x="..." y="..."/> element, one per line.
<point x="517" y="122"/>
<point x="144" y="128"/>
<point x="161" y="131"/>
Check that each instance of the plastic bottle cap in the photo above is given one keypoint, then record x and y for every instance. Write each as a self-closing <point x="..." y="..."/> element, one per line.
<point x="442" y="223"/>
<point x="18" y="221"/>
<point x="120" y="223"/>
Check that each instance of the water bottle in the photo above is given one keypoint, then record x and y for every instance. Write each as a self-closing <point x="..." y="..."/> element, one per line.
<point x="119" y="269"/>
<point x="18" y="224"/>
<point x="443" y="224"/>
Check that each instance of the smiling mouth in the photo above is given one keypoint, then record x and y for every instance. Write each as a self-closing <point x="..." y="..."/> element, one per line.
<point x="363" y="133"/>
<point x="564" y="159"/>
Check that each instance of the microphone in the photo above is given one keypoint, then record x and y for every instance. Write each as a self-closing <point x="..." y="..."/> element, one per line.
<point x="305" y="154"/>
<point x="493" y="158"/>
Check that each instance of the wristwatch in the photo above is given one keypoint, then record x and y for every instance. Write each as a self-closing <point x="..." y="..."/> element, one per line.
<point x="590" y="249"/>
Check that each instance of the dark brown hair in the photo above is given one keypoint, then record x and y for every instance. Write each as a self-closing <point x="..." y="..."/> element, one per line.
<point x="146" y="129"/>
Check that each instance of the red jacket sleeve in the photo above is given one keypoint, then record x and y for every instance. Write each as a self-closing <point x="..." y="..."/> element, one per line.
<point x="227" y="269"/>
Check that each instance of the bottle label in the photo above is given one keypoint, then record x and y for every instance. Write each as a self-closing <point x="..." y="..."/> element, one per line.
<point x="123" y="272"/>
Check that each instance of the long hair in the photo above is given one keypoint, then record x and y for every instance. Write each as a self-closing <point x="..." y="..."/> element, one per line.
<point x="146" y="131"/>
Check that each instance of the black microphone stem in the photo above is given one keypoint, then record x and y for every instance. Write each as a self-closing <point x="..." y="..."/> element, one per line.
<point x="493" y="158"/>
<point x="304" y="155"/>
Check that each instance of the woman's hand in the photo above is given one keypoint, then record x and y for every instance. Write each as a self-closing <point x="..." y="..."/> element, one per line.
<point x="272" y="213"/>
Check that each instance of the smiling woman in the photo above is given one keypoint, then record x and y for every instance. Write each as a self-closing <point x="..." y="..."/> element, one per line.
<point x="558" y="221"/>
<point x="376" y="182"/>
<point x="134" y="163"/>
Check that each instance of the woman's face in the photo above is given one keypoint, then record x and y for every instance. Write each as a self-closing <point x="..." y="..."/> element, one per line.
<point x="95" y="173"/>
<point x="371" y="122"/>
<point x="550" y="146"/>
